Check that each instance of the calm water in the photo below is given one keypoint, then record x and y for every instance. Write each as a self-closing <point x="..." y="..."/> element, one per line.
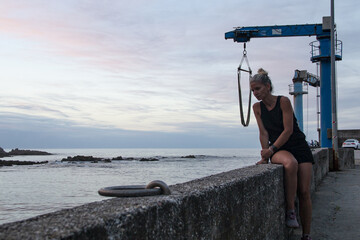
<point x="27" y="191"/>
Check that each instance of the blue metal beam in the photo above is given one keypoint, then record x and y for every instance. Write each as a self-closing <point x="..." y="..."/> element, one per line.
<point x="244" y="34"/>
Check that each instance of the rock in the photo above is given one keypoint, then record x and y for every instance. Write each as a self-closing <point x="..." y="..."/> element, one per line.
<point x="15" y="162"/>
<point x="120" y="158"/>
<point x="80" y="158"/>
<point x="189" y="156"/>
<point x="3" y="153"/>
<point x="17" y="152"/>
<point x="148" y="159"/>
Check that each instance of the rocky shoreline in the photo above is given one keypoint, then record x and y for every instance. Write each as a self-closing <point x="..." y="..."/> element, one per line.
<point x="15" y="162"/>
<point x="81" y="158"/>
<point x="78" y="158"/>
<point x="21" y="152"/>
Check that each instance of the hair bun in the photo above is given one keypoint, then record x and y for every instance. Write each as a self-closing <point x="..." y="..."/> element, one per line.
<point x="262" y="71"/>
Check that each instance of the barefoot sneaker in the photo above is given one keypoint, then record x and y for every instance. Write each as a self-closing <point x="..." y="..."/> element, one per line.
<point x="306" y="238"/>
<point x="291" y="219"/>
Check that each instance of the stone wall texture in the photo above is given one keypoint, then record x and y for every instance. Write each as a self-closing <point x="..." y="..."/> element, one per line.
<point x="246" y="203"/>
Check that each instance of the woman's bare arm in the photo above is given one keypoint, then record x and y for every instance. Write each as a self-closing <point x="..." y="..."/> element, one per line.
<point x="263" y="134"/>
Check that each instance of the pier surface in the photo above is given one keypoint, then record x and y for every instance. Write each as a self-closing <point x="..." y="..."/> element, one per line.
<point x="336" y="208"/>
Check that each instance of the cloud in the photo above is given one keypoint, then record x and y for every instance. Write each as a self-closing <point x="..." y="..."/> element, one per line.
<point x="38" y="132"/>
<point x="165" y="67"/>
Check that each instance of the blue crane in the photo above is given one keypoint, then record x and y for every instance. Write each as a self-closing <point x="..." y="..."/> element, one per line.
<point x="301" y="79"/>
<point x="320" y="53"/>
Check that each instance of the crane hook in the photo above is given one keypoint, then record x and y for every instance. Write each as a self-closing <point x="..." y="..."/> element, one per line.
<point x="248" y="70"/>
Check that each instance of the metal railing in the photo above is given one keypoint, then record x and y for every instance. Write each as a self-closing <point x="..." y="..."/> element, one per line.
<point x="315" y="49"/>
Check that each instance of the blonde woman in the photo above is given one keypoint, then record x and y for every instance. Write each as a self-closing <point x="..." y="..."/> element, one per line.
<point x="284" y="143"/>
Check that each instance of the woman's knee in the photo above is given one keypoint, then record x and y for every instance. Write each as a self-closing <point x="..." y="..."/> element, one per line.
<point x="286" y="159"/>
<point x="291" y="164"/>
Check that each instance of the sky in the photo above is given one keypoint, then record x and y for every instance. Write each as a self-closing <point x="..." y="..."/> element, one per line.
<point x="155" y="74"/>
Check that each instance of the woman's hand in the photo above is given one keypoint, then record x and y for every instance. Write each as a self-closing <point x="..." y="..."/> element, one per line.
<point x="263" y="161"/>
<point x="266" y="153"/>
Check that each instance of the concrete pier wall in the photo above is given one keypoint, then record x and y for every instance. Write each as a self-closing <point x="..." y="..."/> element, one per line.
<point x="245" y="203"/>
<point x="348" y="134"/>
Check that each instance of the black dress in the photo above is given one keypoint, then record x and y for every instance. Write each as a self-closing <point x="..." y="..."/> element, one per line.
<point x="273" y="123"/>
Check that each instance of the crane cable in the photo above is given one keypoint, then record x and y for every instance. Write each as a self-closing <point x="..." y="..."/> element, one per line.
<point x="239" y="70"/>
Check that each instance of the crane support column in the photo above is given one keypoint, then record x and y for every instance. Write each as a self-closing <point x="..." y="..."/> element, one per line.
<point x="325" y="93"/>
<point x="323" y="55"/>
<point x="298" y="103"/>
<point x="302" y="79"/>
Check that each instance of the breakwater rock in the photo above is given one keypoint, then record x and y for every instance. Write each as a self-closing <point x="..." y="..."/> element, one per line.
<point x="3" y="153"/>
<point x="120" y="158"/>
<point x="21" y="152"/>
<point x="148" y="159"/>
<point x="15" y="162"/>
<point x="17" y="152"/>
<point x="80" y="158"/>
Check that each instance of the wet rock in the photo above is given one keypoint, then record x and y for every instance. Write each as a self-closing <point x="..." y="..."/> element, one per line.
<point x="18" y="152"/>
<point x="15" y="162"/>
<point x="148" y="159"/>
<point x="120" y="158"/>
<point x="80" y="158"/>
<point x="3" y="153"/>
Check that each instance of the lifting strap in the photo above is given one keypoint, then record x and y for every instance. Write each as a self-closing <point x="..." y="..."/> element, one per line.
<point x="248" y="70"/>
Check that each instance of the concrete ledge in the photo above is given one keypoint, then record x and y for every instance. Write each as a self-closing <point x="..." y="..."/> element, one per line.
<point x="240" y="204"/>
<point x="321" y="166"/>
<point x="246" y="203"/>
<point x="346" y="159"/>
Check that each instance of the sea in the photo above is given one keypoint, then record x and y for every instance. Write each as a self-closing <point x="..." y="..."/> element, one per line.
<point x="30" y="190"/>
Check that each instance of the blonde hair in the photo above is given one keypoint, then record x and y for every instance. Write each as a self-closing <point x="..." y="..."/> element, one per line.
<point x="262" y="77"/>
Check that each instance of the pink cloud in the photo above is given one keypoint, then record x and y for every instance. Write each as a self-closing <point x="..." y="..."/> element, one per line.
<point x="75" y="35"/>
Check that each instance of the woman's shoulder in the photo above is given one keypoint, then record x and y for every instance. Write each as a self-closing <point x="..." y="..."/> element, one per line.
<point x="256" y="108"/>
<point x="285" y="102"/>
<point x="284" y="99"/>
<point x="256" y="105"/>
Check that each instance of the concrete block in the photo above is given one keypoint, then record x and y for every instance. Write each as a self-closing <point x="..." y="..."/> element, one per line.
<point x="346" y="158"/>
<point x="246" y="203"/>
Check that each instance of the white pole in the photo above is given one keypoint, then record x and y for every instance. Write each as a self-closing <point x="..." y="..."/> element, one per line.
<point x="335" y="141"/>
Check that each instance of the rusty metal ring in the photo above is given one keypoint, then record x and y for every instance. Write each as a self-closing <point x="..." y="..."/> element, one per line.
<point x="159" y="184"/>
<point x="156" y="187"/>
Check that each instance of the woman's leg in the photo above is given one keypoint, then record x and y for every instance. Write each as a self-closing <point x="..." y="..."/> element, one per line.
<point x="291" y="167"/>
<point x="304" y="181"/>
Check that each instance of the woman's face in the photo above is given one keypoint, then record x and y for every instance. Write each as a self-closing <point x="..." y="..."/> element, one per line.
<point x="260" y="90"/>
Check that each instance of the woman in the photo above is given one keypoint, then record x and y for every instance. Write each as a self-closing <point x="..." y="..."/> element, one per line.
<point x="283" y="142"/>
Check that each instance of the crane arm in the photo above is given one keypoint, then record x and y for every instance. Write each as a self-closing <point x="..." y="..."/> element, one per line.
<point x="244" y="34"/>
<point x="305" y="76"/>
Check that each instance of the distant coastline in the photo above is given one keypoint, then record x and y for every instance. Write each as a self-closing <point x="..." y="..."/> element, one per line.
<point x="20" y="152"/>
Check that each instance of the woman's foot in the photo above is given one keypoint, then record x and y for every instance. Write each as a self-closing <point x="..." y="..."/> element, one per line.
<point x="291" y="220"/>
<point x="306" y="237"/>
